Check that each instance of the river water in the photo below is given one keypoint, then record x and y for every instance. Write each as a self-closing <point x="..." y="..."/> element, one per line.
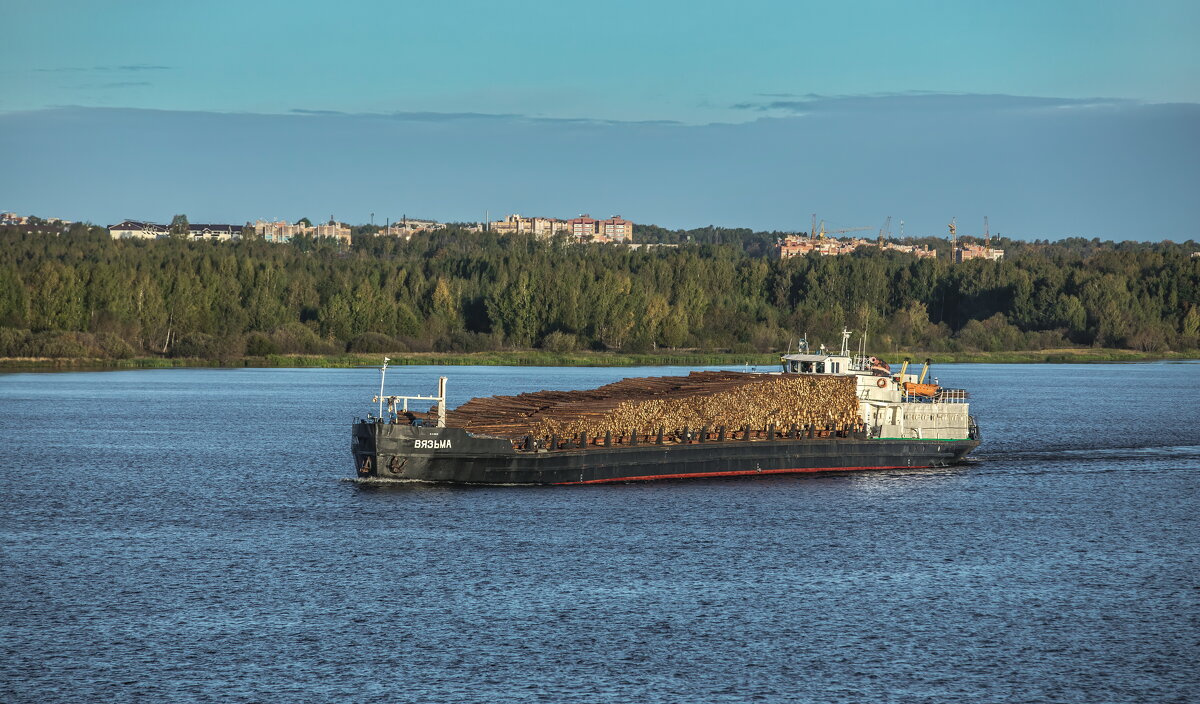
<point x="195" y="535"/>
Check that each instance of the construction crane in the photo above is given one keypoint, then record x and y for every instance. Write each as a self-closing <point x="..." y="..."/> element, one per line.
<point x="820" y="233"/>
<point x="886" y="230"/>
<point x="954" y="256"/>
<point x="838" y="232"/>
<point x="987" y="233"/>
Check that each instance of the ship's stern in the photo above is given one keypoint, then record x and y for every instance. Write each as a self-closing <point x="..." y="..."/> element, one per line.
<point x="364" y="447"/>
<point x="423" y="452"/>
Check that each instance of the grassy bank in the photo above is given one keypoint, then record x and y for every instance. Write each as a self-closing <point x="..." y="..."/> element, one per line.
<point x="1073" y="355"/>
<point x="542" y="358"/>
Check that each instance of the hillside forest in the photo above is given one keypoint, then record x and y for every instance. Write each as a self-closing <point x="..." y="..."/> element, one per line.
<point x="81" y="294"/>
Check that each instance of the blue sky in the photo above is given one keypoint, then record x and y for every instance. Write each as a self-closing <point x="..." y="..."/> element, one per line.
<point x="988" y="98"/>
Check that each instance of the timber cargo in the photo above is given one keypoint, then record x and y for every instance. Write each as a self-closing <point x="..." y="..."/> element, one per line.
<point x="821" y="412"/>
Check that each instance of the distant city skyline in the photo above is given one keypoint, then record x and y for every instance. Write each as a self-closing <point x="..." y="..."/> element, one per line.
<point x="1054" y="119"/>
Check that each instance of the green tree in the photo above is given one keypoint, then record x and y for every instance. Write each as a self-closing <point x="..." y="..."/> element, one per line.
<point x="510" y="310"/>
<point x="14" y="300"/>
<point x="179" y="227"/>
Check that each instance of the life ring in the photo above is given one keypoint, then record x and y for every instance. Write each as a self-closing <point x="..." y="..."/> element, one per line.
<point x="882" y="383"/>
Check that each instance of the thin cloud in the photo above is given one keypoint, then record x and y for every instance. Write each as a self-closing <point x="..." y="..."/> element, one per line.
<point x="409" y="116"/>
<point x="920" y="101"/>
<point x="85" y="69"/>
<point x="110" y="85"/>
<point x="424" y="116"/>
<point x="430" y="116"/>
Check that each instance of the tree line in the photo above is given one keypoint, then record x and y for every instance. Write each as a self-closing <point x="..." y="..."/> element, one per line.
<point x="82" y="294"/>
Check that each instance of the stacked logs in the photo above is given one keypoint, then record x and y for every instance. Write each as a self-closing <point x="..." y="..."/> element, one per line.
<point x="733" y="400"/>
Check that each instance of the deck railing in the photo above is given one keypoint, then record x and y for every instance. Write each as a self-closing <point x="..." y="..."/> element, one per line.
<point x="943" y="395"/>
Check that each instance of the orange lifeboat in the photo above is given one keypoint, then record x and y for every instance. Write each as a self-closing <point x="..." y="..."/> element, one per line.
<point x="928" y="390"/>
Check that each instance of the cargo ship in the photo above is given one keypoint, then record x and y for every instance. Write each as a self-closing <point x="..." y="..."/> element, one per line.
<point x="820" y="412"/>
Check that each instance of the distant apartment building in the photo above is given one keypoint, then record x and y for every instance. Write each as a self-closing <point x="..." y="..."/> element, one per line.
<point x="219" y="233"/>
<point x="788" y="247"/>
<point x="282" y="231"/>
<point x="408" y="227"/>
<point x="333" y="230"/>
<point x="965" y="252"/>
<point x="918" y="251"/>
<point x="798" y="245"/>
<point x="136" y="229"/>
<point x="278" y="231"/>
<point x="583" y="227"/>
<point x="651" y="245"/>
<point x="537" y="226"/>
<point x="615" y="229"/>
<point x="55" y="224"/>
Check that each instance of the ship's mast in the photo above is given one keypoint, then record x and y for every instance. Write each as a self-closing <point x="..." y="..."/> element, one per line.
<point x="382" y="373"/>
<point x="441" y="422"/>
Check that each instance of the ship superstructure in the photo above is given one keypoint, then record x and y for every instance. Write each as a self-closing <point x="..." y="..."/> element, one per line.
<point x="896" y="406"/>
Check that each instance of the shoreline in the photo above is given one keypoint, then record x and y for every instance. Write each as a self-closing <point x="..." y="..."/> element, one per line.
<point x="540" y="358"/>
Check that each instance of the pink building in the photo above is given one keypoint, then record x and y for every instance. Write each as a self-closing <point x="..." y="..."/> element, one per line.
<point x="615" y="229"/>
<point x="583" y="227"/>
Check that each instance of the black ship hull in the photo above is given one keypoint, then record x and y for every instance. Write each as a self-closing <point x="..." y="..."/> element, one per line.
<point x="451" y="455"/>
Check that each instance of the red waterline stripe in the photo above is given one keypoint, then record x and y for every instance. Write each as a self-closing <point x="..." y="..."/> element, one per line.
<point x="737" y="473"/>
